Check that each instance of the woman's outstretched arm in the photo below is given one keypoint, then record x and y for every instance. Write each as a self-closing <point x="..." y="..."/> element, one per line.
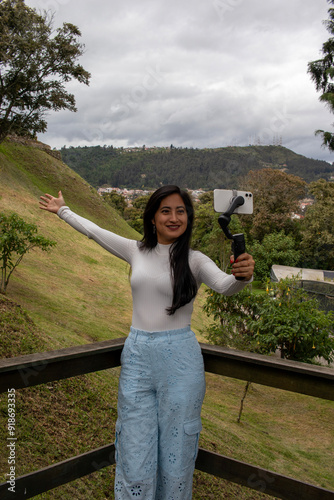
<point x="113" y="243"/>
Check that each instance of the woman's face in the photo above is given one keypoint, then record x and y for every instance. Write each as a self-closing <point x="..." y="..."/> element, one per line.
<point x="170" y="219"/>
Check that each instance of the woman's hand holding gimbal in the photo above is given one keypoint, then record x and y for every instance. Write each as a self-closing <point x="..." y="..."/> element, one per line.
<point x="243" y="267"/>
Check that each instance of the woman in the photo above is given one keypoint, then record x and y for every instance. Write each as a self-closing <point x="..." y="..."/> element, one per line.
<point x="162" y="383"/>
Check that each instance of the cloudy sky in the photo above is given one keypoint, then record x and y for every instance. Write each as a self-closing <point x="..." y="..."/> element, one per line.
<point x="194" y="73"/>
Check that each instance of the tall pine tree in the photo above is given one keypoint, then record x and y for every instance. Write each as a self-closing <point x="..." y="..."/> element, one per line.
<point x="322" y="73"/>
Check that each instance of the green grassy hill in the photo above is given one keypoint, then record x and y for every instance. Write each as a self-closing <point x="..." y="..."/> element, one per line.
<point x="77" y="294"/>
<point x="84" y="290"/>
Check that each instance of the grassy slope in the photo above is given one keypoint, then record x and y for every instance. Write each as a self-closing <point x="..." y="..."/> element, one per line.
<point x="65" y="281"/>
<point x="77" y="294"/>
<point x="84" y="289"/>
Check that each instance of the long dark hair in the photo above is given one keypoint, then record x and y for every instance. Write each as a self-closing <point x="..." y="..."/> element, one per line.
<point x="184" y="283"/>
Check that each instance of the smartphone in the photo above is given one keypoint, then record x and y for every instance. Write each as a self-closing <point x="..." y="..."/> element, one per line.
<point x="222" y="200"/>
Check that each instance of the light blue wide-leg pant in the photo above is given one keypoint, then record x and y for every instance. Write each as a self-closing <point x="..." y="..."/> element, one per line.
<point x="160" y="395"/>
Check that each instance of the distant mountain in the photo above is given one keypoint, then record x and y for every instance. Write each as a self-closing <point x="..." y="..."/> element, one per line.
<point x="147" y="168"/>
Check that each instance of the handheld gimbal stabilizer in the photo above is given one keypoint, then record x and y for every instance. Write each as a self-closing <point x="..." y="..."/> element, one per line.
<point x="237" y="200"/>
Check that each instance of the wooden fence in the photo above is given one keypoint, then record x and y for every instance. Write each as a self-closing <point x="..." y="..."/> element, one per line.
<point x="30" y="370"/>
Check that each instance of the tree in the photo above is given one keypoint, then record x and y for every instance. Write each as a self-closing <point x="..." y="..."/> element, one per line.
<point x="17" y="237"/>
<point x="276" y="248"/>
<point x="317" y="227"/>
<point x="116" y="200"/>
<point x="35" y="64"/>
<point x="134" y="215"/>
<point x="276" y="197"/>
<point x="322" y="73"/>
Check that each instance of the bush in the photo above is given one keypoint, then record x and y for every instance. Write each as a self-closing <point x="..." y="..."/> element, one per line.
<point x="293" y="323"/>
<point x="232" y="316"/>
<point x="276" y="248"/>
<point x="284" y="318"/>
<point x="17" y="237"/>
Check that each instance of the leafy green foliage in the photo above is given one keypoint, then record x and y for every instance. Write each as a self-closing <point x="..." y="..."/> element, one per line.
<point x="317" y="228"/>
<point x="284" y="319"/>
<point x="322" y="73"/>
<point x="276" y="197"/>
<point x="34" y="66"/>
<point x="292" y="322"/>
<point x="134" y="215"/>
<point x="276" y="248"/>
<point x="115" y="200"/>
<point x="231" y="318"/>
<point x="17" y="237"/>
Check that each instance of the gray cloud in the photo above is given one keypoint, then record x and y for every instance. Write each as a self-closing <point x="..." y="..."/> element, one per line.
<point x="194" y="73"/>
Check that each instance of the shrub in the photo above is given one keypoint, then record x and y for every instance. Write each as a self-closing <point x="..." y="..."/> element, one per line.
<point x="284" y="318"/>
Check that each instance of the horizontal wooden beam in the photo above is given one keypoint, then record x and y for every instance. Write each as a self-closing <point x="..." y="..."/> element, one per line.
<point x="55" y="475"/>
<point x="34" y="369"/>
<point x="252" y="477"/>
<point x="303" y="378"/>
<point x="259" y="479"/>
<point x="40" y="368"/>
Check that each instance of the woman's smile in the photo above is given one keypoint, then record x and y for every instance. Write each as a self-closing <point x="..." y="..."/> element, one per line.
<point x="171" y="219"/>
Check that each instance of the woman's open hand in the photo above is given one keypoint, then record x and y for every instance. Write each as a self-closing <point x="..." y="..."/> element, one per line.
<point x="50" y="203"/>
<point x="243" y="267"/>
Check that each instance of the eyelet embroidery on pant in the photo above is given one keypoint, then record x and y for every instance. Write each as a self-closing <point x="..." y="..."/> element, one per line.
<point x="130" y="358"/>
<point x="173" y="488"/>
<point x="181" y="486"/>
<point x="171" y="379"/>
<point x="125" y="409"/>
<point x="198" y="403"/>
<point x="150" y="467"/>
<point x="175" y="408"/>
<point x="167" y="354"/>
<point x="136" y="491"/>
<point x="175" y="432"/>
<point x="118" y="486"/>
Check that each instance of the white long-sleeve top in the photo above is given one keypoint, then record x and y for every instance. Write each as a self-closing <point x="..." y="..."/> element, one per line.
<point x="151" y="283"/>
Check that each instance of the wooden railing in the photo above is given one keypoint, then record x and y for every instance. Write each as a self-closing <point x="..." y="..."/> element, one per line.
<point x="30" y="370"/>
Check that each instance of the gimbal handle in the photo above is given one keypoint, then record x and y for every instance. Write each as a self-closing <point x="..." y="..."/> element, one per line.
<point x="238" y="240"/>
